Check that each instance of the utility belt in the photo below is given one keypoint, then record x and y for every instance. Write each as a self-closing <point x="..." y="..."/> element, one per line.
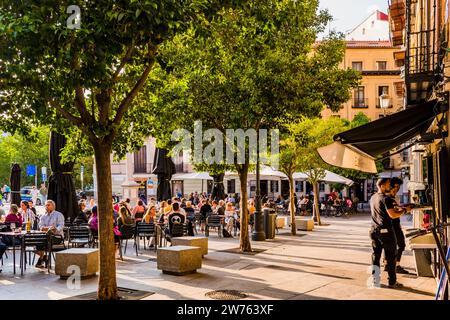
<point x="381" y="230"/>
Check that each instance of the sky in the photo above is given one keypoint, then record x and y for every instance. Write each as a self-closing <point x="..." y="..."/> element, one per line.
<point x="347" y="14"/>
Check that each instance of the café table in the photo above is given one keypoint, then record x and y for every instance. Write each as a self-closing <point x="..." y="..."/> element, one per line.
<point x="17" y="234"/>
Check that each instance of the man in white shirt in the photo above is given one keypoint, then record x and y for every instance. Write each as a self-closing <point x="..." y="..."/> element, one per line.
<point x="52" y="221"/>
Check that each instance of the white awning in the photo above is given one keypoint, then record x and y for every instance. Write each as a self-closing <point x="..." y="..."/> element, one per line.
<point x="268" y="171"/>
<point x="130" y="184"/>
<point x="264" y="171"/>
<point x="330" y="177"/>
<point x="345" y="156"/>
<point x="192" y="176"/>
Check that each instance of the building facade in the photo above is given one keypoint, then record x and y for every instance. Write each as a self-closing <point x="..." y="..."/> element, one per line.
<point x="370" y="51"/>
<point x="380" y="75"/>
<point x="373" y="28"/>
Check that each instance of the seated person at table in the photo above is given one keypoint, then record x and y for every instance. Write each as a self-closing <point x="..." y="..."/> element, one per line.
<point x="214" y="205"/>
<point x="190" y="212"/>
<point x="27" y="214"/>
<point x="51" y="222"/>
<point x="138" y="211"/>
<point x="93" y="221"/>
<point x="218" y="207"/>
<point x="124" y="218"/>
<point x="206" y="209"/>
<point x="229" y="217"/>
<point x="222" y="206"/>
<point x="150" y="217"/>
<point x="175" y="217"/>
<point x="14" y="216"/>
<point x="82" y="216"/>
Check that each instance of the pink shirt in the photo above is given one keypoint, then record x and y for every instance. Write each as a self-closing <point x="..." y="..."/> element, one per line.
<point x="17" y="219"/>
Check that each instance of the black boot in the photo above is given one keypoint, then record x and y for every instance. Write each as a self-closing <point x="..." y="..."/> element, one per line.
<point x="45" y="260"/>
<point x="39" y="263"/>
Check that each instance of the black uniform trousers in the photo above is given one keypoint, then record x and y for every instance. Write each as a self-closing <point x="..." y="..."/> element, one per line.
<point x="400" y="236"/>
<point x="387" y="241"/>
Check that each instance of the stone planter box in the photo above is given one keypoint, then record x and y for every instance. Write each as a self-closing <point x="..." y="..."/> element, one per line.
<point x="179" y="260"/>
<point x="201" y="242"/>
<point x="304" y="224"/>
<point x="85" y="258"/>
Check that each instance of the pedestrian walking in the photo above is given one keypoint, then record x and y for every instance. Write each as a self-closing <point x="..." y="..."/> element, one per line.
<point x="382" y="232"/>
<point x="34" y="194"/>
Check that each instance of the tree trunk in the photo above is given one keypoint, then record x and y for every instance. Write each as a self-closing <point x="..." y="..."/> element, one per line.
<point x="316" y="202"/>
<point x="107" y="285"/>
<point x="292" y="205"/>
<point x="244" y="245"/>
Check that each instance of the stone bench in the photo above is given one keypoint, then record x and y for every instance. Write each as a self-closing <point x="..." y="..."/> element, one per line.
<point x="201" y="242"/>
<point x="422" y="253"/>
<point x="85" y="258"/>
<point x="304" y="224"/>
<point x="179" y="260"/>
<point x="280" y="222"/>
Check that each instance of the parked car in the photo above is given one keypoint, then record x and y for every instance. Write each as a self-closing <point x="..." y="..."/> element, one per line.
<point x="25" y="195"/>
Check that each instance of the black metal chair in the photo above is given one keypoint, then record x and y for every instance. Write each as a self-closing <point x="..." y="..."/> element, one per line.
<point x="145" y="230"/>
<point x="198" y="220"/>
<point x="56" y="244"/>
<point x="214" y="221"/>
<point x="178" y="230"/>
<point x="94" y="238"/>
<point x="236" y="225"/>
<point x="30" y="241"/>
<point x="79" y="236"/>
<point x="128" y="232"/>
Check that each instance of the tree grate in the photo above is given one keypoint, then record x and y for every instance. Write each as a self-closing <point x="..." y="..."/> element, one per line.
<point x="226" y="295"/>
<point x="123" y="293"/>
<point x="238" y="251"/>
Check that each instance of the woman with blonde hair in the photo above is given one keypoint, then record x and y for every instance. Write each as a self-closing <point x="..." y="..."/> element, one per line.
<point x="150" y="215"/>
<point x="124" y="217"/>
<point x="162" y="207"/>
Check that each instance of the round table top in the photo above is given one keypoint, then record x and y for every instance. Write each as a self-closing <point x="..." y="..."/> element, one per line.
<point x="15" y="234"/>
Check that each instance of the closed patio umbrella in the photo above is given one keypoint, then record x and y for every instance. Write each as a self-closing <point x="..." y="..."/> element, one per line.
<point x="218" y="191"/>
<point x="61" y="188"/>
<point x="15" y="184"/>
<point x="164" y="168"/>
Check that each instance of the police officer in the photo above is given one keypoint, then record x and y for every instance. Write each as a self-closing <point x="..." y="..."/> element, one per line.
<point x="382" y="232"/>
<point x="399" y="235"/>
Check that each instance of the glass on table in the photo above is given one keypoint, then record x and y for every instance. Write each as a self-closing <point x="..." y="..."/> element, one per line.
<point x="13" y="227"/>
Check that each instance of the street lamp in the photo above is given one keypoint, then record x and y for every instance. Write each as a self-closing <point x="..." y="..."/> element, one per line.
<point x="384" y="102"/>
<point x="258" y="230"/>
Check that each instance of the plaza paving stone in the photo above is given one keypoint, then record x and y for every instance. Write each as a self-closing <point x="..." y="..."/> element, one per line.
<point x="330" y="262"/>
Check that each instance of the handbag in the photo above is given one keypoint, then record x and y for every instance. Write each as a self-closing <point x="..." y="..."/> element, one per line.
<point x="116" y="231"/>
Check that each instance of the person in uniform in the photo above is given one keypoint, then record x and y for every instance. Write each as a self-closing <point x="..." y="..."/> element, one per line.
<point x="399" y="235"/>
<point x="382" y="232"/>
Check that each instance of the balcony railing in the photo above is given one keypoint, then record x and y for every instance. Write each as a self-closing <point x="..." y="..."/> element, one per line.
<point x="360" y="103"/>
